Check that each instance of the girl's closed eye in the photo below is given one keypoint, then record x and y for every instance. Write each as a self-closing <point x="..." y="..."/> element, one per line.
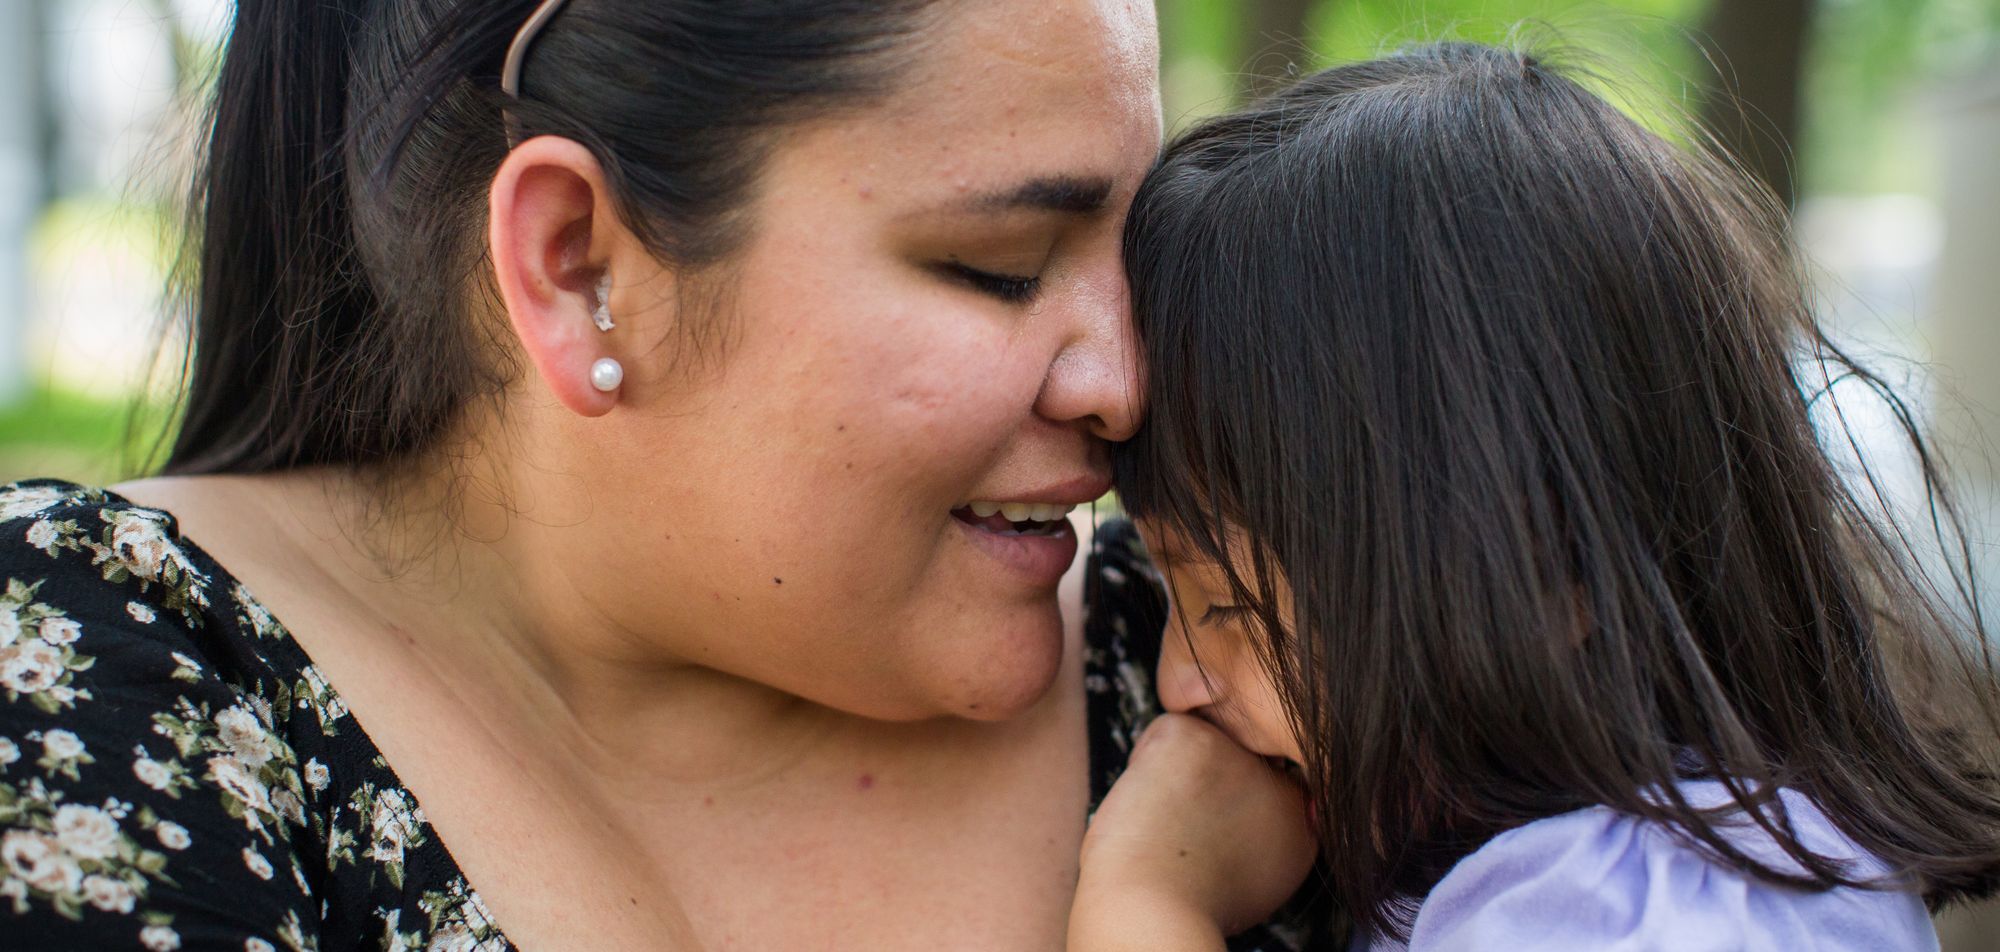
<point x="1223" y="614"/>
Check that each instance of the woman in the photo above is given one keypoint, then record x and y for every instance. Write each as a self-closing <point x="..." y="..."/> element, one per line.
<point x="653" y="463"/>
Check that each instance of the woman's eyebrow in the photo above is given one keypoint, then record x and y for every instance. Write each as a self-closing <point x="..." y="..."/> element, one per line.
<point x="1065" y="194"/>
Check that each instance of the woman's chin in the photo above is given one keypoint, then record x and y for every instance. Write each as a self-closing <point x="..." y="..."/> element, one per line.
<point x="1014" y="669"/>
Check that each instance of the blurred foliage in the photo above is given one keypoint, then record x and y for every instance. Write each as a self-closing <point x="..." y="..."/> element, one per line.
<point x="66" y="435"/>
<point x="1874" y="67"/>
<point x="1877" y="70"/>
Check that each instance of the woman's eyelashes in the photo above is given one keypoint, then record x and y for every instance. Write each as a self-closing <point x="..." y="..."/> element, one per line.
<point x="1009" y="288"/>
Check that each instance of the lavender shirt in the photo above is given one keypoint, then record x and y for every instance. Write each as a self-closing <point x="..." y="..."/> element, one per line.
<point x="1599" y="880"/>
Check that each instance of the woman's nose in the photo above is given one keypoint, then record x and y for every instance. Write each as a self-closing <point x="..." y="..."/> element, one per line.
<point x="1097" y="379"/>
<point x="1183" y="686"/>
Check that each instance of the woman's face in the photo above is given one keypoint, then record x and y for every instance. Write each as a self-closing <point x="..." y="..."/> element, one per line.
<point x="1209" y="662"/>
<point x="929" y="317"/>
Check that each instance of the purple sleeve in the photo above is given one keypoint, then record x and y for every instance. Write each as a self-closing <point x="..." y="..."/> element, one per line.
<point x="1599" y="880"/>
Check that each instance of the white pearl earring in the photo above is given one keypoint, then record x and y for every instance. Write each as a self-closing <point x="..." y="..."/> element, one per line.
<point x="606" y="374"/>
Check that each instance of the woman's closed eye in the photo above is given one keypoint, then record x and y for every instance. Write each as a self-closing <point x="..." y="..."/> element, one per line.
<point x="1012" y="289"/>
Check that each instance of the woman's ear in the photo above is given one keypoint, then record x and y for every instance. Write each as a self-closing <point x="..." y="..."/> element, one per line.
<point x="552" y="234"/>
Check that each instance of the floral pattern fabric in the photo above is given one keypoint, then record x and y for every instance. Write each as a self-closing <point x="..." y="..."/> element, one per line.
<point x="175" y="773"/>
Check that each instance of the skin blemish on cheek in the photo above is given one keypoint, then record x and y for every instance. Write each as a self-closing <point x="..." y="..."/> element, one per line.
<point x="777" y="581"/>
<point x="865" y="782"/>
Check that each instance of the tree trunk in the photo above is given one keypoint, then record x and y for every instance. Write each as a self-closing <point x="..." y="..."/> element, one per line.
<point x="1274" y="43"/>
<point x="1753" y="105"/>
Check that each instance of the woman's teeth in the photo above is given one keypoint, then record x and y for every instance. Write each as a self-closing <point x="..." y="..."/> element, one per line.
<point x="1020" y="511"/>
<point x="1015" y="518"/>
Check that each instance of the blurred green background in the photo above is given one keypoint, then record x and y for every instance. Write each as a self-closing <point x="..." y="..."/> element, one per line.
<point x="1878" y="119"/>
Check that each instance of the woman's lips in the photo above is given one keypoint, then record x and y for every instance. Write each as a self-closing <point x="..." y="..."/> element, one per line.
<point x="1040" y="555"/>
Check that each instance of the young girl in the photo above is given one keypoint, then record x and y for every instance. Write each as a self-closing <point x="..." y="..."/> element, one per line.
<point x="1481" y="467"/>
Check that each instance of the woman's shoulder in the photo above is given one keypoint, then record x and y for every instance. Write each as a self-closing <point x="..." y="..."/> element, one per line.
<point x="93" y="542"/>
<point x="1598" y="878"/>
<point x="78" y="558"/>
<point x="142" y="769"/>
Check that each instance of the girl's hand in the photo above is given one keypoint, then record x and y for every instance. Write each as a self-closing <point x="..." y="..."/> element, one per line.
<point x="1197" y="840"/>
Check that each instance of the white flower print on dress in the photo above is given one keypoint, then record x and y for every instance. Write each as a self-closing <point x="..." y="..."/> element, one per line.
<point x="157" y="938"/>
<point x="63" y="745"/>
<point x="57" y="630"/>
<point x="293" y="933"/>
<point x="152" y="773"/>
<point x="172" y="835"/>
<point x="42" y="535"/>
<point x="452" y="937"/>
<point x="139" y="540"/>
<point x="254" y="613"/>
<point x="143" y="614"/>
<point x="30" y="666"/>
<point x="38" y="859"/>
<point x="9" y="753"/>
<point x="392" y="824"/>
<point x="37" y="657"/>
<point x="317" y="776"/>
<point x="186" y="669"/>
<point x="315" y="694"/>
<point x="257" y="863"/>
<point x="288" y="805"/>
<point x="246" y="736"/>
<point x="136" y="545"/>
<point x="254" y="944"/>
<point x="228" y="773"/>
<point x="86" y="832"/>
<point x="23" y="501"/>
<point x="108" y="894"/>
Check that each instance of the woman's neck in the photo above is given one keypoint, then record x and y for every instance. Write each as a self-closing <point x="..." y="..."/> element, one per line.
<point x="453" y="585"/>
<point x="530" y="727"/>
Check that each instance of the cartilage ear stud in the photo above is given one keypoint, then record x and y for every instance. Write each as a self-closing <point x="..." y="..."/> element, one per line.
<point x="606" y="374"/>
<point x="602" y="315"/>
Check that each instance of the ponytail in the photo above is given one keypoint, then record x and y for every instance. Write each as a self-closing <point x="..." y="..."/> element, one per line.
<point x="278" y="294"/>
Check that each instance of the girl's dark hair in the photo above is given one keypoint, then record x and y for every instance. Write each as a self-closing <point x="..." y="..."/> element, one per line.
<point x="1516" y="396"/>
<point x="340" y="208"/>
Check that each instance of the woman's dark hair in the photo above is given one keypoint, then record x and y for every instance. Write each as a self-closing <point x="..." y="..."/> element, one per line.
<point x="1517" y="397"/>
<point x="340" y="208"/>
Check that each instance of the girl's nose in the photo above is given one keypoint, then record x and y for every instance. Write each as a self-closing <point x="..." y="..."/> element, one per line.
<point x="1183" y="688"/>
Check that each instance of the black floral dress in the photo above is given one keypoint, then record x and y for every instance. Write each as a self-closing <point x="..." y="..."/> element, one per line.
<point x="175" y="773"/>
